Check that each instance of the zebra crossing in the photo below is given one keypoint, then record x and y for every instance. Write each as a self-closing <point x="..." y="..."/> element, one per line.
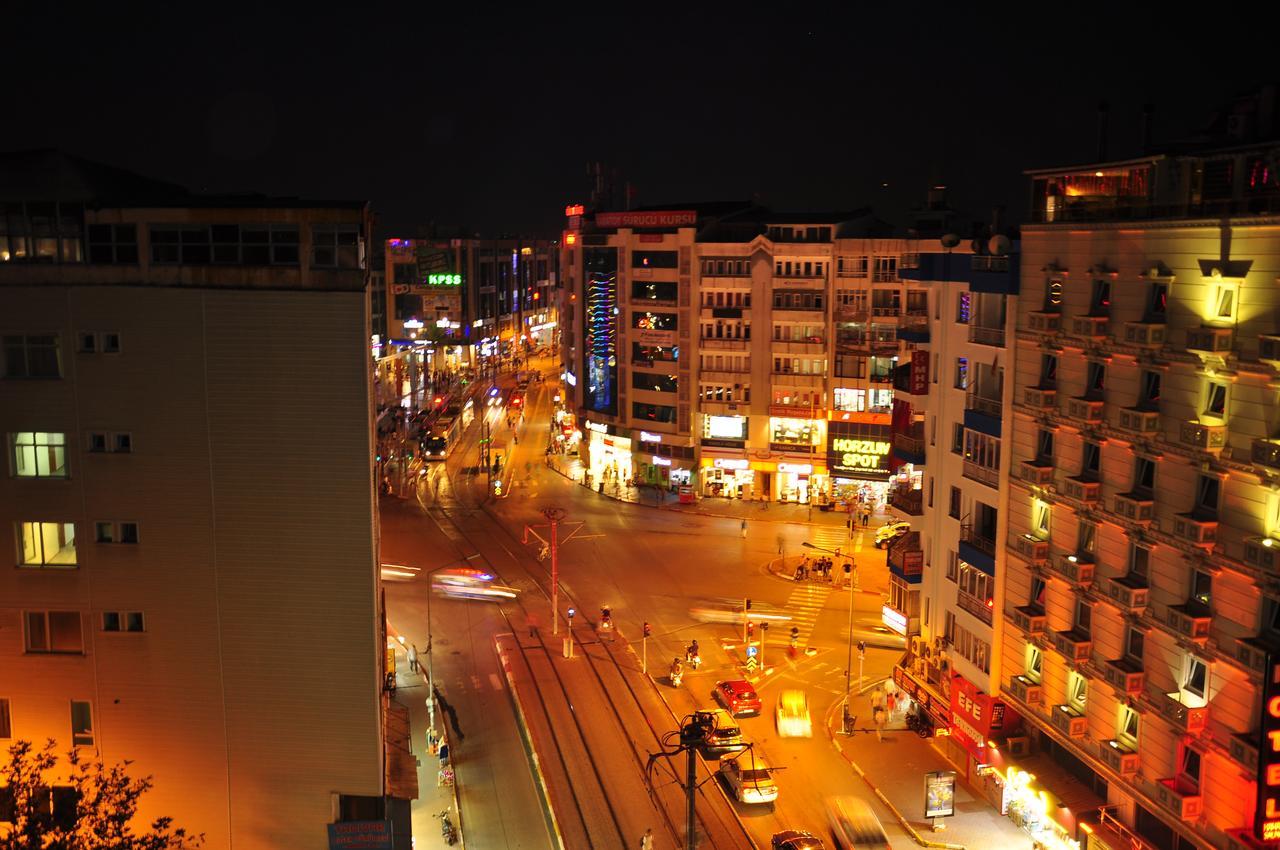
<point x="804" y="606"/>
<point x="837" y="537"/>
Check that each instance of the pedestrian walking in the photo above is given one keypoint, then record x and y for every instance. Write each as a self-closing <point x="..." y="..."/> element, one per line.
<point x="646" y="840"/>
<point x="891" y="701"/>
<point x="879" y="719"/>
<point x="532" y="621"/>
<point x="413" y="657"/>
<point x="744" y="529"/>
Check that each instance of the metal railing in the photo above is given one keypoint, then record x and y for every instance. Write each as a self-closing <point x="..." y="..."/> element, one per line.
<point x="1137" y="209"/>
<point x="909" y="444"/>
<point x="975" y="606"/>
<point x="988" y="263"/>
<point x="882" y="311"/>
<point x="908" y="501"/>
<point x="986" y="336"/>
<point x="983" y="474"/>
<point x="983" y="404"/>
<point x="983" y="544"/>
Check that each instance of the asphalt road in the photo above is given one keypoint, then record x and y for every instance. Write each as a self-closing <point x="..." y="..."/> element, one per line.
<point x="647" y="565"/>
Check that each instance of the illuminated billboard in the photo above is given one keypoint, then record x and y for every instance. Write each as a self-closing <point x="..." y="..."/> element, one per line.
<point x="600" y="324"/>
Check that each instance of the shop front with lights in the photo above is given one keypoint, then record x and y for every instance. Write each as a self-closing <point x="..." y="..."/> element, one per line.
<point x="858" y="457"/>
<point x="725" y="470"/>
<point x="662" y="462"/>
<point x="803" y="475"/>
<point x="606" y="453"/>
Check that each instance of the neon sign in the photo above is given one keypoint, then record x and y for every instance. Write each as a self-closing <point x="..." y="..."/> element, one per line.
<point x="1266" y="818"/>
<point x="730" y="463"/>
<point x="444" y="280"/>
<point x="860" y="454"/>
<point x="598" y="427"/>
<point x="661" y="461"/>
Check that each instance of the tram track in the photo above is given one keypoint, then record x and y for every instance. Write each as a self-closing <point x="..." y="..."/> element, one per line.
<point x="608" y="672"/>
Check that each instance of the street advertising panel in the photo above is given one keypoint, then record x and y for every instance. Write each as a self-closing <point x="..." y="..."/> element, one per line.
<point x="940" y="794"/>
<point x="1266" y="817"/>
<point x="654" y="218"/>
<point x="360" y="835"/>
<point x="919" y="373"/>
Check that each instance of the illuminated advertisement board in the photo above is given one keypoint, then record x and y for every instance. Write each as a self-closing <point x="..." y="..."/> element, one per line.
<point x="653" y="218"/>
<point x="600" y="325"/>
<point x="1266" y="817"/>
<point x="856" y="450"/>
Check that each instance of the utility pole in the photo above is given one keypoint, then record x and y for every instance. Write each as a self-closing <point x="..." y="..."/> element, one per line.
<point x="691" y="797"/>
<point x="555" y="518"/>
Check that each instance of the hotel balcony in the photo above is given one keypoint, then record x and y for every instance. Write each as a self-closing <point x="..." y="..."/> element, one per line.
<point x="982" y="413"/>
<point x="1077" y="570"/>
<point x="1125" y="675"/>
<point x="1146" y="334"/>
<point x="1135" y="420"/>
<point x="1023" y="689"/>
<point x="886" y="311"/>
<point x="982" y="474"/>
<point x="1214" y="341"/>
<point x="1068" y="721"/>
<point x="1135" y="507"/>
<point x="907" y="501"/>
<point x="1266" y="453"/>
<point x="712" y="343"/>
<point x="1185" y="719"/>
<point x="1179" y="797"/>
<point x="814" y="344"/>
<point x="1091" y="327"/>
<point x="1074" y="645"/>
<point x="980" y="608"/>
<point x="910" y="447"/>
<point x="1042" y="322"/>
<point x="1243" y="749"/>
<point x="1128" y="592"/>
<point x="1028" y="548"/>
<point x="1030" y="618"/>
<point x="986" y="336"/>
<point x="1263" y="553"/>
<point x="798" y="379"/>
<point x="1196" y="530"/>
<point x="1190" y="619"/>
<point x="1203" y="438"/>
<point x="1119" y="757"/>
<point x="1040" y="398"/>
<point x="1085" y="409"/>
<point x="1255" y="652"/>
<point x="1036" y="472"/>
<point x="1081" y="489"/>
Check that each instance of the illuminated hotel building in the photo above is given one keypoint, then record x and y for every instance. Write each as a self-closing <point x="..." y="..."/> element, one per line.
<point x="1141" y="595"/>
<point x="744" y="353"/>
<point x="188" y="505"/>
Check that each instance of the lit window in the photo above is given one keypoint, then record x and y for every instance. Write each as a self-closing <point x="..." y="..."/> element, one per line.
<point x="48" y="544"/>
<point x="1127" y="726"/>
<point x="1077" y="691"/>
<point x="1194" y="678"/>
<point x="1033" y="659"/>
<point x="81" y="724"/>
<point x="39" y="454"/>
<point x="1215" y="400"/>
<point x="1224" y="301"/>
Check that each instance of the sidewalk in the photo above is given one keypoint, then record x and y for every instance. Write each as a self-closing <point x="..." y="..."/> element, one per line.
<point x="894" y="770"/>
<point x="656" y="497"/>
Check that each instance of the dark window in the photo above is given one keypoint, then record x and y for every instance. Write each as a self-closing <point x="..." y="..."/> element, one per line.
<point x="1150" y="389"/>
<point x="655" y="259"/>
<point x="1084" y="617"/>
<point x="1207" y="491"/>
<point x="1133" y="644"/>
<point x="6" y="726"/>
<point x="1037" y="592"/>
<point x="113" y="243"/>
<point x="1201" y="587"/>
<point x="1158" y="305"/>
<point x="1044" y="445"/>
<point x="1097" y="380"/>
<point x="653" y="412"/>
<point x="953" y="505"/>
<point x="404" y="273"/>
<point x="653" y="290"/>
<point x="407" y="306"/>
<point x="957" y="438"/>
<point x="1144" y="475"/>
<point x="1139" y="560"/>
<point x="653" y="382"/>
<point x="1048" y="371"/>
<point x="1100" y="303"/>
<point x="1091" y="464"/>
<point x="31" y="356"/>
<point x="335" y="246"/>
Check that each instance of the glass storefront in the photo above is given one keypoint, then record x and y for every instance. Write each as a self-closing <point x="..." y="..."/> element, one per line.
<point x="793" y="432"/>
<point x="730" y="478"/>
<point x="608" y="458"/>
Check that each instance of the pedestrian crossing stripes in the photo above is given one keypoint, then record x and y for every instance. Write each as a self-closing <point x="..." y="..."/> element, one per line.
<point x="834" y="537"/>
<point x="804" y="606"/>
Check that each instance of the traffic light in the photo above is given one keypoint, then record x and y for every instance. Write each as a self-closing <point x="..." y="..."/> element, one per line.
<point x="648" y="630"/>
<point x="862" y="647"/>
<point x="764" y="627"/>
<point x="605" y="614"/>
<point x="748" y="605"/>
<point x="572" y="611"/>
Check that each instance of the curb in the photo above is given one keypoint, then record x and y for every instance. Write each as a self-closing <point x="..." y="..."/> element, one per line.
<point x="547" y="808"/>
<point x="779" y="574"/>
<point x="906" y="825"/>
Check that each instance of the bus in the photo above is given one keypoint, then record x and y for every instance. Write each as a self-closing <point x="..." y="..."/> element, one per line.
<point x="442" y="436"/>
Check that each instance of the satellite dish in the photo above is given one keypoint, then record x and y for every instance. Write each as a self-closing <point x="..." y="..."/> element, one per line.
<point x="999" y="245"/>
<point x="976" y="246"/>
<point x="950" y="240"/>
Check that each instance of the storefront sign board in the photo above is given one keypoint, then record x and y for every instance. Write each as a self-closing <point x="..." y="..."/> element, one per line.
<point x="919" y="373"/>
<point x="655" y="218"/>
<point x="1266" y="818"/>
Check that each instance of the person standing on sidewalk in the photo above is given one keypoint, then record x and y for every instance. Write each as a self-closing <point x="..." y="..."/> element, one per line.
<point x="646" y="840"/>
<point x="744" y="529"/>
<point x="413" y="657"/>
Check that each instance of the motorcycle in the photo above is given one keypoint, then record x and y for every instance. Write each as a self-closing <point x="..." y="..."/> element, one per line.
<point x="677" y="676"/>
<point x="919" y="724"/>
<point x="447" y="830"/>
<point x="691" y="656"/>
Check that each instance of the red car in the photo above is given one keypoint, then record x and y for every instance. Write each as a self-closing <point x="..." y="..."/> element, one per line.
<point x="739" y="697"/>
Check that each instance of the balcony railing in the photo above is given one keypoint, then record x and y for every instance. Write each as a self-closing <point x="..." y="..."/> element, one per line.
<point x="983" y="474"/>
<point x="975" y="606"/>
<point x="988" y="263"/>
<point x="1139" y="209"/>
<point x="910" y="502"/>
<point x="909" y="444"/>
<point x="974" y="538"/>
<point x="881" y="310"/>
<point x="983" y="404"/>
<point x="986" y="336"/>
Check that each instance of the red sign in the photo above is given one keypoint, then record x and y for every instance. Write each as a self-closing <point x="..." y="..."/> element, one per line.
<point x="1266" y="817"/>
<point x="858" y="416"/>
<point x="657" y="218"/>
<point x="574" y="209"/>
<point x="919" y="373"/>
<point x="975" y="716"/>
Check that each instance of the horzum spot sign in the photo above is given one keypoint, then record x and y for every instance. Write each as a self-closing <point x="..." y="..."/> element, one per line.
<point x="860" y="454"/>
<point x="1266" y="819"/>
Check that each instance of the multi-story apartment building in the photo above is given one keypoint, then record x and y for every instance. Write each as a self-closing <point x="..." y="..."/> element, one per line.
<point x="744" y="353"/>
<point x="188" y="503"/>
<point x="951" y="442"/>
<point x="1142" y="586"/>
<point x="470" y="297"/>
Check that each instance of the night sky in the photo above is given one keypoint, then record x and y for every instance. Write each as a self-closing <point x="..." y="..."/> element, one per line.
<point x="487" y="118"/>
